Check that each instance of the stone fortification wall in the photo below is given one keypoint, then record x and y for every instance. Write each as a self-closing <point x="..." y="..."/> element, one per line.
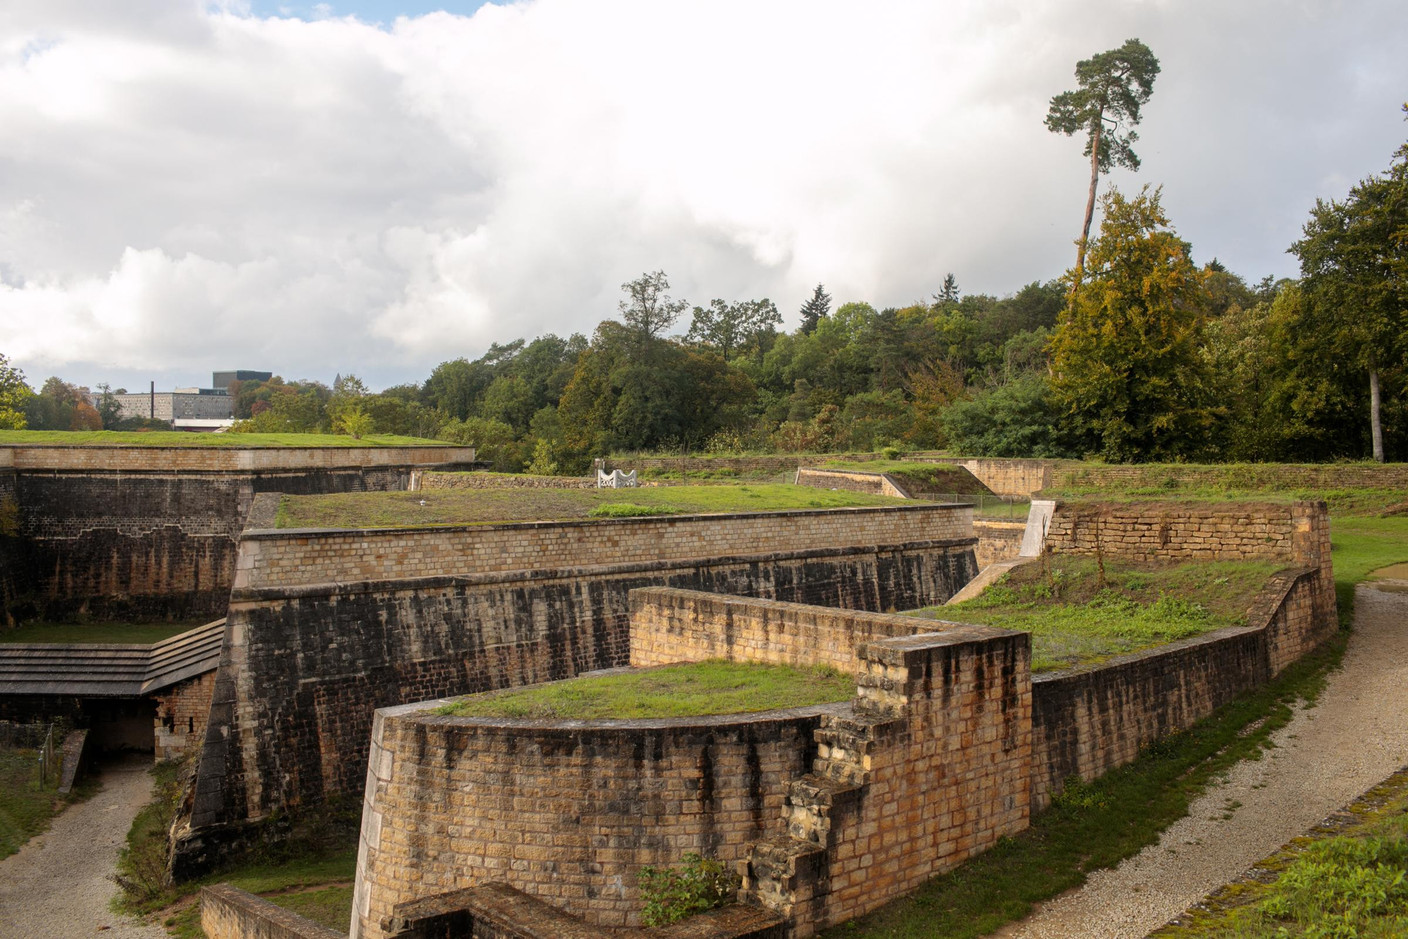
<point x="878" y="484"/>
<point x="566" y="811"/>
<point x="181" y="714"/>
<point x="221" y="459"/>
<point x="464" y="480"/>
<point x="290" y="557"/>
<point x="1088" y="721"/>
<point x="305" y="664"/>
<point x="670" y="625"/>
<point x="1297" y="533"/>
<point x="230" y="913"/>
<point x="997" y="541"/>
<point x="1276" y="476"/>
<point x="100" y="532"/>
<point x="15" y="571"/>
<point x="1014" y="478"/>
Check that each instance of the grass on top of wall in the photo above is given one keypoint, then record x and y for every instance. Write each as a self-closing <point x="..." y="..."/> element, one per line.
<point x="88" y="633"/>
<point x="179" y="438"/>
<point x="487" y="506"/>
<point x="1077" y="616"/>
<point x="696" y="689"/>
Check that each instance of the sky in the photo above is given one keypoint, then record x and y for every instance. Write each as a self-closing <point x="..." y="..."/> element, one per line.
<point x="376" y="187"/>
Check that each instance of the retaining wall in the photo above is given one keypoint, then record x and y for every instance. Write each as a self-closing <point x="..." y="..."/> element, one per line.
<point x="878" y="484"/>
<point x="151" y="532"/>
<point x="230" y="913"/>
<point x="998" y="541"/>
<point x="181" y="714"/>
<point x="305" y="663"/>
<point x="290" y="557"/>
<point x="567" y="811"/>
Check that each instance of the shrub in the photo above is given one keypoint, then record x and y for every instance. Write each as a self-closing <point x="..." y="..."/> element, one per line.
<point x="670" y="894"/>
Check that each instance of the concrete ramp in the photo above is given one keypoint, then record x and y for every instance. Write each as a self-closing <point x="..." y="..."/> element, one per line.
<point x="1038" y="523"/>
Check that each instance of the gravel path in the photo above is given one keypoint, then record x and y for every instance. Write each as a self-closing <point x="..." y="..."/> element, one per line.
<point x="57" y="886"/>
<point x="1350" y="741"/>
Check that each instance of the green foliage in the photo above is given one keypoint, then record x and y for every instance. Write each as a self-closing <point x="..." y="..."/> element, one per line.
<point x="1337" y="886"/>
<point x="176" y="438"/>
<point x="670" y="894"/>
<point x="543" y="463"/>
<point x="649" y="310"/>
<point x="355" y="422"/>
<point x="26" y="806"/>
<point x="695" y="689"/>
<point x="816" y="308"/>
<point x="1128" y="371"/>
<point x="14" y="395"/>
<point x="731" y="328"/>
<point x="1114" y="86"/>
<point x="141" y="864"/>
<point x="492" y="440"/>
<point x="1017" y="419"/>
<point x="629" y="510"/>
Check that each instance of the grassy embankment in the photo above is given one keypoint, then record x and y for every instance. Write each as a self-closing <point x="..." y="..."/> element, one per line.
<point x="104" y="632"/>
<point x="1079" y="616"/>
<point x="178" y="438"/>
<point x="692" y="690"/>
<point x="488" y="506"/>
<point x="310" y="873"/>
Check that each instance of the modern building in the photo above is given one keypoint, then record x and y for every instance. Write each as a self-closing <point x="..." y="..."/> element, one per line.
<point x="199" y="409"/>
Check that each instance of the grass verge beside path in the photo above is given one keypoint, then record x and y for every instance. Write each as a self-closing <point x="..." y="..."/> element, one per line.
<point x="309" y="871"/>
<point x="179" y="438"/>
<point x="488" y="506"/>
<point x="26" y="807"/>
<point x="1098" y="824"/>
<point x="690" y="690"/>
<point x="1361" y="546"/>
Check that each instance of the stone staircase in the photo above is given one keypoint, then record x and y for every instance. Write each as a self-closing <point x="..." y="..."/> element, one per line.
<point x="788" y="872"/>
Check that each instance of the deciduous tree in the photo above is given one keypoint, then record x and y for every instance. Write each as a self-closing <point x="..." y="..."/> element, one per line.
<point x="649" y="309"/>
<point x="1126" y="357"/>
<point x="14" y="395"/>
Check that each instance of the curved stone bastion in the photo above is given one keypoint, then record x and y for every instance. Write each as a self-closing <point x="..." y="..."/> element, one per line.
<point x="566" y="810"/>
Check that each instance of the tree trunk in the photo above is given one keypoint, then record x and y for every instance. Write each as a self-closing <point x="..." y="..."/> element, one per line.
<point x="1090" y="200"/>
<point x="1376" y="428"/>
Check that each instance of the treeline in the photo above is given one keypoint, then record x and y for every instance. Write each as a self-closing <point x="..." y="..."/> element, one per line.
<point x="1136" y="355"/>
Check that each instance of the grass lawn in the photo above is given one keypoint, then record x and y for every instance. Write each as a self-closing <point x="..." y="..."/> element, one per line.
<point x="85" y="633"/>
<point x="486" y="506"/>
<point x="1074" y="619"/>
<point x="178" y="438"/>
<point x="691" y="690"/>
<point x="1361" y="546"/>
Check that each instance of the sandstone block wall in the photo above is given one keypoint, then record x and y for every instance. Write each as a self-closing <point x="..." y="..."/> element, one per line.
<point x="464" y="480"/>
<point x="230" y="913"/>
<point x="1014" y="478"/>
<point x="565" y="811"/>
<point x="208" y="459"/>
<point x="877" y="484"/>
<point x="670" y="625"/>
<point x="181" y="715"/>
<point x="144" y="545"/>
<point x="1088" y="721"/>
<point x="998" y="541"/>
<point x="304" y="666"/>
<point x="290" y="557"/>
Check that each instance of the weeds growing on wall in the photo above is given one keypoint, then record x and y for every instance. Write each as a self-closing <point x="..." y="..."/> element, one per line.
<point x="696" y="884"/>
<point x="1097" y="824"/>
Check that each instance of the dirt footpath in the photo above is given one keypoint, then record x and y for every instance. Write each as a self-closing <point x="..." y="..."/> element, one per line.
<point x="1356" y="736"/>
<point x="58" y="885"/>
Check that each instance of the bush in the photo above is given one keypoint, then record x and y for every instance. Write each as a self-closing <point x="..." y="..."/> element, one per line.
<point x="670" y="894"/>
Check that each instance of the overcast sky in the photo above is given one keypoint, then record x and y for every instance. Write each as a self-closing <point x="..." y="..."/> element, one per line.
<point x="375" y="187"/>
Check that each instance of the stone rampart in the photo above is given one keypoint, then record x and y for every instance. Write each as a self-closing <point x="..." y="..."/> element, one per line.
<point x="1090" y="720"/>
<point x="878" y="484"/>
<point x="228" y="912"/>
<point x="221" y="459"/>
<point x="181" y="714"/>
<point x="566" y="811"/>
<point x="671" y="625"/>
<point x="463" y="480"/>
<point x="98" y="533"/>
<point x="997" y="541"/>
<point x="1012" y="478"/>
<point x="305" y="663"/>
<point x="291" y="557"/>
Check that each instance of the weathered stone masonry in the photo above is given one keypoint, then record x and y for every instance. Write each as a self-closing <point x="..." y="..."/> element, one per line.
<point x="306" y="663"/>
<point x="151" y="532"/>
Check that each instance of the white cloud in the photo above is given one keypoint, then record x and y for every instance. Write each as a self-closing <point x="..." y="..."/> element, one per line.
<point x="183" y="185"/>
